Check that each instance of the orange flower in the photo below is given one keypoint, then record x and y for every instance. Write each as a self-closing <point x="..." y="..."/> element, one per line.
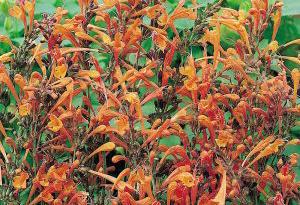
<point x="225" y="138"/>
<point x="206" y="122"/>
<point x="296" y="78"/>
<point x="60" y="71"/>
<point x="110" y="3"/>
<point x="87" y="37"/>
<point x="190" y="71"/>
<point x="294" y="159"/>
<point x="15" y="11"/>
<point x="170" y="191"/>
<point x="135" y="104"/>
<point x="4" y="78"/>
<point x="46" y="196"/>
<point x="6" y="57"/>
<point x="43" y="180"/>
<point x="220" y="198"/>
<point x="270" y="149"/>
<point x="177" y="171"/>
<point x="57" y="202"/>
<point x="29" y="8"/>
<point x="179" y="13"/>
<point x="19" y="182"/>
<point x="185" y="178"/>
<point x="160" y="40"/>
<point x="55" y="123"/>
<point x="19" y="13"/>
<point x="121" y="185"/>
<point x="261" y="145"/>
<point x="123" y="174"/>
<point x="20" y="81"/>
<point x="213" y="37"/>
<point x="59" y="13"/>
<point x="122" y="125"/>
<point x="118" y="158"/>
<point x="131" y="80"/>
<point x="89" y="73"/>
<point x="107" y="147"/>
<point x="69" y="186"/>
<point x="101" y="35"/>
<point x="58" y="173"/>
<point x="24" y="109"/>
<point x="277" y="19"/>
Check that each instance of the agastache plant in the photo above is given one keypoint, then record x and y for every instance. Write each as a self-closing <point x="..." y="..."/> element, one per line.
<point x="98" y="98"/>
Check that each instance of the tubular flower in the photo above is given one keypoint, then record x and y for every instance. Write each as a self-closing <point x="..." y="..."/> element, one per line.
<point x="225" y="138"/>
<point x="190" y="71"/>
<point x="19" y="181"/>
<point x="55" y="123"/>
<point x="60" y="71"/>
<point x="24" y="109"/>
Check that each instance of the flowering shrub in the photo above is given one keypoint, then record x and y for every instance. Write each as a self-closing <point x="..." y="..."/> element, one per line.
<point x="138" y="102"/>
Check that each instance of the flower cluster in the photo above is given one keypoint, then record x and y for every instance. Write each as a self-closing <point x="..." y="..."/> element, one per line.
<point x="122" y="104"/>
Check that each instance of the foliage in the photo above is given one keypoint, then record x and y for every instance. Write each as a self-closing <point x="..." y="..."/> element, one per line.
<point x="148" y="102"/>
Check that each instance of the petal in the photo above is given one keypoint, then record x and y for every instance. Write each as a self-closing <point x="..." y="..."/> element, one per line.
<point x="107" y="147"/>
<point x="60" y="71"/>
<point x="55" y="123"/>
<point x="220" y="198"/>
<point x="261" y="145"/>
<point x="19" y="182"/>
<point x="24" y="109"/>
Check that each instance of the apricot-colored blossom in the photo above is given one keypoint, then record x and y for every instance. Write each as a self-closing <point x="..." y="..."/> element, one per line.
<point x="60" y="71"/>
<point x="24" y="109"/>
<point x="224" y="138"/>
<point x="190" y="71"/>
<point x="55" y="123"/>
<point x="19" y="181"/>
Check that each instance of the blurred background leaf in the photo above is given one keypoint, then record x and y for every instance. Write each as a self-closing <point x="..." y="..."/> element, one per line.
<point x="291" y="8"/>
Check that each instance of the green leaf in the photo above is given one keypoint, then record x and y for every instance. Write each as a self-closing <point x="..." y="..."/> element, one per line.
<point x="189" y="132"/>
<point x="2" y="107"/>
<point x="24" y="195"/>
<point x="290" y="149"/>
<point x="170" y="141"/>
<point x="147" y="44"/>
<point x="77" y="100"/>
<point x="94" y="99"/>
<point x="72" y="6"/>
<point x="146" y="20"/>
<point x="263" y="44"/>
<point x="197" y="52"/>
<point x="4" y="6"/>
<point x="205" y="2"/>
<point x="45" y="7"/>
<point x="184" y="23"/>
<point x="8" y="23"/>
<point x="295" y="131"/>
<point x="228" y="37"/>
<point x="60" y="158"/>
<point x="148" y="108"/>
<point x="235" y="4"/>
<point x="291" y="8"/>
<point x="59" y="3"/>
<point x="245" y="5"/>
<point x="132" y="58"/>
<point x="120" y="150"/>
